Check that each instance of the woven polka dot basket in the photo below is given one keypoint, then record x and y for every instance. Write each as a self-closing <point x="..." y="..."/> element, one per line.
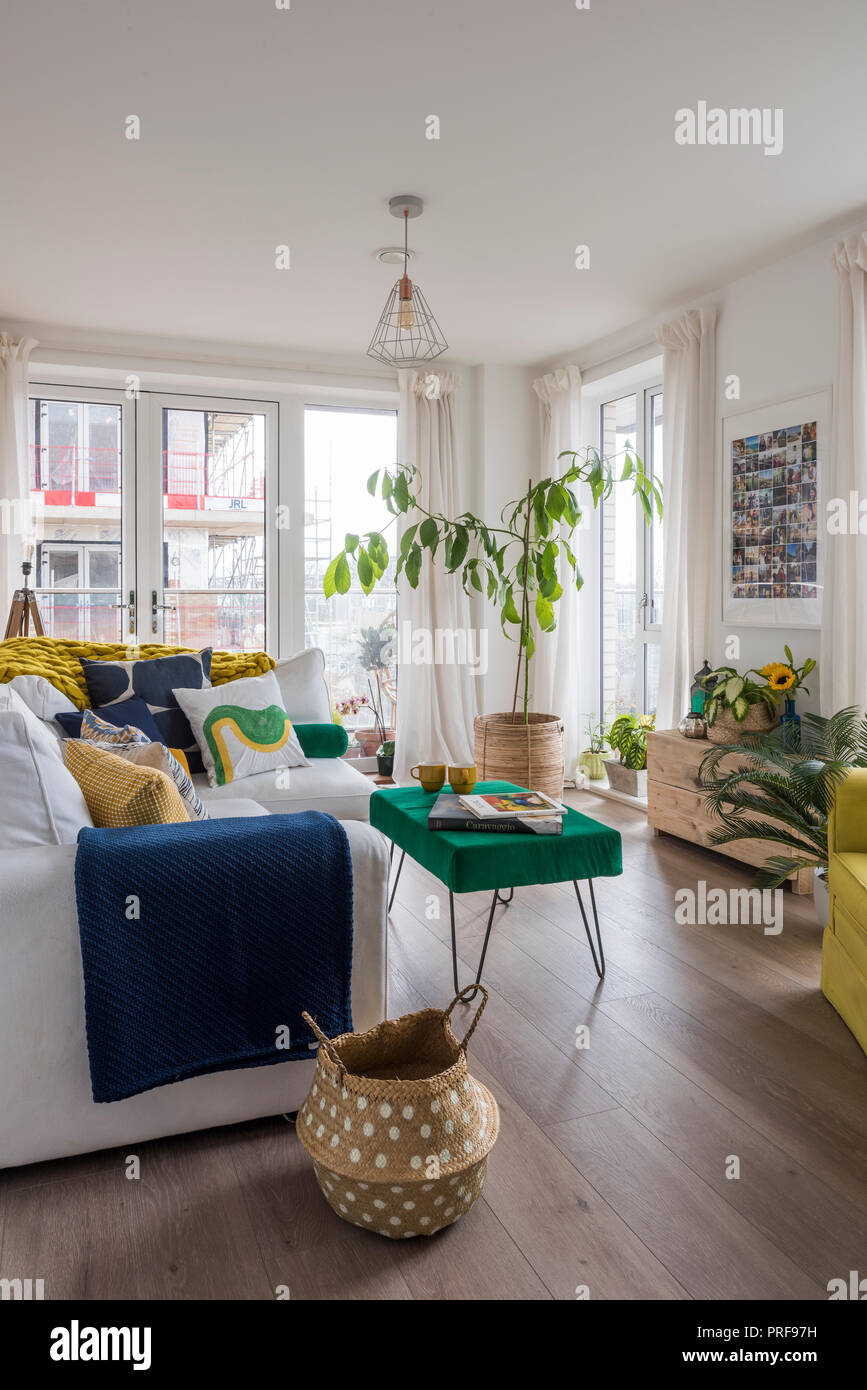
<point x="398" y="1130"/>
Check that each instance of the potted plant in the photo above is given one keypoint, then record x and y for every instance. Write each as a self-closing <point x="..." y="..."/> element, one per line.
<point x="783" y="791"/>
<point x="385" y="758"/>
<point x="591" y="761"/>
<point x="518" y="563"/>
<point x="737" y="704"/>
<point x="374" y="646"/>
<point x="627" y="737"/>
<point x="349" y="708"/>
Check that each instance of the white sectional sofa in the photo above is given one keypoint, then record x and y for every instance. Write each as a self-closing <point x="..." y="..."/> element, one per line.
<point x="46" y="1109"/>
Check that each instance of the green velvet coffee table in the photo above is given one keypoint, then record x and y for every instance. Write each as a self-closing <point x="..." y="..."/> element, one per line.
<point x="472" y="861"/>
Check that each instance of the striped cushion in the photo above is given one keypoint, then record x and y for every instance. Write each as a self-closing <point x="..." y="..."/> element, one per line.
<point x="118" y="794"/>
<point x="96" y="730"/>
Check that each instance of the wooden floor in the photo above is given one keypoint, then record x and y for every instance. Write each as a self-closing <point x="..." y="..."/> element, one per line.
<point x="706" y="1044"/>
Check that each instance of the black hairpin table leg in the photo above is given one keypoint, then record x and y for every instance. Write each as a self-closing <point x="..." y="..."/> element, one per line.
<point x="497" y="898"/>
<point x="598" y="961"/>
<point x="397" y="876"/>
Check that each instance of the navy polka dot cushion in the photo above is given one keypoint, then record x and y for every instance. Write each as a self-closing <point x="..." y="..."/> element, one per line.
<point x="113" y="682"/>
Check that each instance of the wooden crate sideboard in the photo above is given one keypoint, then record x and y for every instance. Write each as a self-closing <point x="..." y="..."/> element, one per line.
<point x="676" y="802"/>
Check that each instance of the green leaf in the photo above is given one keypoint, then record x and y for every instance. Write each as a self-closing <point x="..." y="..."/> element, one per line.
<point x="400" y="493"/>
<point x="456" y="548"/>
<point x="740" y="708"/>
<point x="545" y="613"/>
<point x="413" y="565"/>
<point x="734" y="688"/>
<point x="342" y="576"/>
<point x="789" y="656"/>
<point x="510" y="613"/>
<point x="429" y="535"/>
<point x="407" y="539"/>
<point x="476" y="579"/>
<point x="365" y="571"/>
<point x="329" y="583"/>
<point x="372" y="482"/>
<point x="350" y="542"/>
<point x="378" y="552"/>
<point x="555" y="501"/>
<point x="543" y="526"/>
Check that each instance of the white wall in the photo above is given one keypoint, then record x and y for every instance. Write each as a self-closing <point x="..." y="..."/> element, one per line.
<point x="777" y="333"/>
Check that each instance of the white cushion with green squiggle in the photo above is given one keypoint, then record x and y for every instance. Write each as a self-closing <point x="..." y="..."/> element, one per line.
<point x="242" y="728"/>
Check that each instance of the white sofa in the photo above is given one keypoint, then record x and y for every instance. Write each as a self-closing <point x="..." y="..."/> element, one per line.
<point x="46" y="1108"/>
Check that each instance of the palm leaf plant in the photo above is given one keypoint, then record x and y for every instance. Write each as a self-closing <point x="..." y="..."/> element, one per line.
<point x="784" y="789"/>
<point x="516" y="563"/>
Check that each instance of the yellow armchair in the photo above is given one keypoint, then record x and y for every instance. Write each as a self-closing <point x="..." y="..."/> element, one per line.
<point x="844" y="944"/>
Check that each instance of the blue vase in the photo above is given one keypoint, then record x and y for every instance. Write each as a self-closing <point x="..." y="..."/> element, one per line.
<point x="790" y="722"/>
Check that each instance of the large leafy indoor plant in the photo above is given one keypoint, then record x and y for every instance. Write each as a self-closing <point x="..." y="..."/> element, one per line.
<point x="517" y="562"/>
<point x="783" y="789"/>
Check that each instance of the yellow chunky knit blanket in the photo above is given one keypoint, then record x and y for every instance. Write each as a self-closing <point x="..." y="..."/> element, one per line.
<point x="57" y="659"/>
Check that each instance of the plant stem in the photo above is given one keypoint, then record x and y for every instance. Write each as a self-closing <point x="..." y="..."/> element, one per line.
<point x="524" y="647"/>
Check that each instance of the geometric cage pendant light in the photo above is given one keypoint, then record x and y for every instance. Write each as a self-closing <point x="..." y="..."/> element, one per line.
<point x="407" y="334"/>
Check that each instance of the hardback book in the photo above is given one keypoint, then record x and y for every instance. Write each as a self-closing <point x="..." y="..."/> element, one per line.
<point x="506" y="805"/>
<point x="448" y="813"/>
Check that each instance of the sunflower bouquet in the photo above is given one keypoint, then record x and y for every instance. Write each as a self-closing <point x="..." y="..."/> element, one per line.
<point x="784" y="677"/>
<point x="727" y="689"/>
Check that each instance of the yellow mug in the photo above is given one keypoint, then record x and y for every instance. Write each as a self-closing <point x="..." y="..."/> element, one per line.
<point x="431" y="775"/>
<point x="462" y="779"/>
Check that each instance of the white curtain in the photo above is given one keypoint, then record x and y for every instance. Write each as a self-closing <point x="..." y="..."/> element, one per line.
<point x="16" y="529"/>
<point x="843" y="642"/>
<point x="437" y="698"/>
<point x="689" y="531"/>
<point x="557" y="668"/>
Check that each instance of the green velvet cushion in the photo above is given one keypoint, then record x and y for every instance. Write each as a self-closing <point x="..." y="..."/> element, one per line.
<point x="322" y="740"/>
<point x="468" y="861"/>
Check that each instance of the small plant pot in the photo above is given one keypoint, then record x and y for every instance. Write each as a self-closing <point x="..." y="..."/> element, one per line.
<point x="821" y="897"/>
<point x="592" y="764"/>
<point x="370" y="739"/>
<point x="726" y="729"/>
<point x="385" y="764"/>
<point x="626" y="779"/>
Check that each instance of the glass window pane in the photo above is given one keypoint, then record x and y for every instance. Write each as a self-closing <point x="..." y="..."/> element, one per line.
<point x="75" y="481"/>
<point x="622" y="680"/>
<point x="214" y="469"/>
<point x="341" y="450"/>
<point x="103" y="568"/>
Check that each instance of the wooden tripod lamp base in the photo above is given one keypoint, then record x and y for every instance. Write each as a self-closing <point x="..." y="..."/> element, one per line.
<point x="24" y="610"/>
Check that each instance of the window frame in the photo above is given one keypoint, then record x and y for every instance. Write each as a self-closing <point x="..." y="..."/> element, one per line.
<point x="648" y="632"/>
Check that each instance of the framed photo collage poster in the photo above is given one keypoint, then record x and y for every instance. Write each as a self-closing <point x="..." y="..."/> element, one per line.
<point x="773" y="512"/>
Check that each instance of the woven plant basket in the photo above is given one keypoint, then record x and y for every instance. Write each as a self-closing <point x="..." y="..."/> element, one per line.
<point x="726" y="729"/>
<point x="398" y="1130"/>
<point x="531" y="755"/>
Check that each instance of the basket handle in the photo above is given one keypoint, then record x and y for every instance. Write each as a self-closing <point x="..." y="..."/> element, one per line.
<point x="325" y="1044"/>
<point x="459" y="998"/>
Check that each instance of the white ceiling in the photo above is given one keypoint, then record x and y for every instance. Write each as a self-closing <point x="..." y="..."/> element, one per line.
<point x="262" y="126"/>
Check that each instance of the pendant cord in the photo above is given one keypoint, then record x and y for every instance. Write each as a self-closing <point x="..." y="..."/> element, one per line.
<point x="405" y="239"/>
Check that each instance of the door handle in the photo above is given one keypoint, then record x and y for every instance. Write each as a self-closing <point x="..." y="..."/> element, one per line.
<point x="156" y="606"/>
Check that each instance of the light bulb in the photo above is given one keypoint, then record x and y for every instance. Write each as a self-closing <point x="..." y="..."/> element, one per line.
<point x="406" y="312"/>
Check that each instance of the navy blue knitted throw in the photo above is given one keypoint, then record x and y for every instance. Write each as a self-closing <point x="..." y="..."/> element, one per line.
<point x="202" y="943"/>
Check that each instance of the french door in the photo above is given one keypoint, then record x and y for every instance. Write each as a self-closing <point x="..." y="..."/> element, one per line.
<point x="158" y="517"/>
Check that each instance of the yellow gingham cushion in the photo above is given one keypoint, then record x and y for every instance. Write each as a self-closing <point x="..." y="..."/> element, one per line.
<point x="118" y="793"/>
